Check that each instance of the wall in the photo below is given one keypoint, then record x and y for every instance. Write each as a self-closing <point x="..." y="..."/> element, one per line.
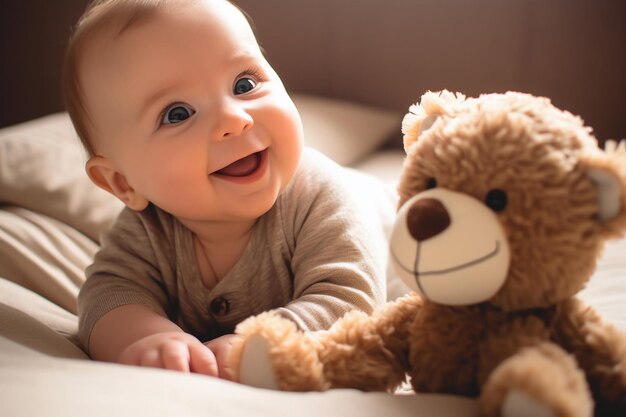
<point x="33" y="35"/>
<point x="388" y="52"/>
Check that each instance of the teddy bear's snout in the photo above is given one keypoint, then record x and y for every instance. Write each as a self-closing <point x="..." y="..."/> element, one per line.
<point x="427" y="218"/>
<point x="450" y="247"/>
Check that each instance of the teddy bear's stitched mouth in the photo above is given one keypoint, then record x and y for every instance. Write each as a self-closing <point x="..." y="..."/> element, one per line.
<point x="465" y="265"/>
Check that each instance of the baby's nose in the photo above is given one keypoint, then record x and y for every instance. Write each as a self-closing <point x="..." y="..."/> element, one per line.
<point x="427" y="218"/>
<point x="232" y="119"/>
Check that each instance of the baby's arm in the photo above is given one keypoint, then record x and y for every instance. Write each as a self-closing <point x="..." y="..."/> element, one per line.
<point x="339" y="254"/>
<point x="146" y="338"/>
<point x="123" y="306"/>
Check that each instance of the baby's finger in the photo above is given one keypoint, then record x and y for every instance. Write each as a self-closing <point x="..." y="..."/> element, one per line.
<point x="202" y="360"/>
<point x="151" y="358"/>
<point x="175" y="356"/>
<point x="221" y="348"/>
<point x="227" y="373"/>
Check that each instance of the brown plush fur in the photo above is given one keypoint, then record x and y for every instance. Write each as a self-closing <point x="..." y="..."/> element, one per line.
<point x="533" y="336"/>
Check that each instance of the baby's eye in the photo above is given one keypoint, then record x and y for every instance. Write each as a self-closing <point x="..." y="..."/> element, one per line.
<point x="176" y="113"/>
<point x="243" y="85"/>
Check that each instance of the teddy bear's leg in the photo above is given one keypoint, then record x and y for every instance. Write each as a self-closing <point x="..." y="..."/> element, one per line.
<point x="272" y="353"/>
<point x="600" y="350"/>
<point x="541" y="380"/>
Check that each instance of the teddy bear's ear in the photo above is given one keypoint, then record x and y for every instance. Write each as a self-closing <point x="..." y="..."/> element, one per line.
<point x="608" y="173"/>
<point x="423" y="115"/>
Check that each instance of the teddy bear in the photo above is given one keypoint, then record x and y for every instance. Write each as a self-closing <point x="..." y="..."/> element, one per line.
<point x="505" y="203"/>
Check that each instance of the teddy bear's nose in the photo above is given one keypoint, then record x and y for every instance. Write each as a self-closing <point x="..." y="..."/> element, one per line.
<point x="427" y="218"/>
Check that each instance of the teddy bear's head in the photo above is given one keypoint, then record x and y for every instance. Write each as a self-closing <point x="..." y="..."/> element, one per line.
<point x="503" y="199"/>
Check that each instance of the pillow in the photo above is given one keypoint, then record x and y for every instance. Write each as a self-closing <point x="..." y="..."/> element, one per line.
<point x="342" y="130"/>
<point x="44" y="255"/>
<point x="42" y="169"/>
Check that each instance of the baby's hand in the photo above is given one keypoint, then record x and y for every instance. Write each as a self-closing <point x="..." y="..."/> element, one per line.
<point x="171" y="350"/>
<point x="220" y="348"/>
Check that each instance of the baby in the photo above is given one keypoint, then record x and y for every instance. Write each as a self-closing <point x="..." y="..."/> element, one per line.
<point x="227" y="214"/>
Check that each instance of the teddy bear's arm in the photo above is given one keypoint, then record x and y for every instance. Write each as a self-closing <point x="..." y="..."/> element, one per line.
<point x="369" y="352"/>
<point x="600" y="350"/>
<point x="358" y="351"/>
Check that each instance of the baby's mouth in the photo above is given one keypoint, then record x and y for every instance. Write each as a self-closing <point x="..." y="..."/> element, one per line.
<point x="242" y="167"/>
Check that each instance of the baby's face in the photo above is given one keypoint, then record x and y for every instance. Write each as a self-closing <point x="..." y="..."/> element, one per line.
<point x="188" y="110"/>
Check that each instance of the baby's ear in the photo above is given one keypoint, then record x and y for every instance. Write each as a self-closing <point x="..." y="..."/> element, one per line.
<point x="423" y="115"/>
<point x="104" y="174"/>
<point x="608" y="172"/>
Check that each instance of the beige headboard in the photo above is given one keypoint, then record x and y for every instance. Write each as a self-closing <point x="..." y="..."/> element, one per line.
<point x="382" y="52"/>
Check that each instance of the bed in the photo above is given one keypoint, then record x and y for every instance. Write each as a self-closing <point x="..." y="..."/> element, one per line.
<point x="359" y="69"/>
<point x="51" y="220"/>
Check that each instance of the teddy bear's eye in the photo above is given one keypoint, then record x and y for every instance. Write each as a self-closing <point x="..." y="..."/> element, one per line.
<point x="496" y="200"/>
<point x="431" y="183"/>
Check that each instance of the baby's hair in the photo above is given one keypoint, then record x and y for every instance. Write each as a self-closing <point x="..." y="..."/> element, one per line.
<point x="100" y="15"/>
<point x="115" y="16"/>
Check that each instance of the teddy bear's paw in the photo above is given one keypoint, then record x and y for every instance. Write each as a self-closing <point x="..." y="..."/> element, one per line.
<point x="272" y="353"/>
<point x="256" y="367"/>
<point x="519" y="404"/>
